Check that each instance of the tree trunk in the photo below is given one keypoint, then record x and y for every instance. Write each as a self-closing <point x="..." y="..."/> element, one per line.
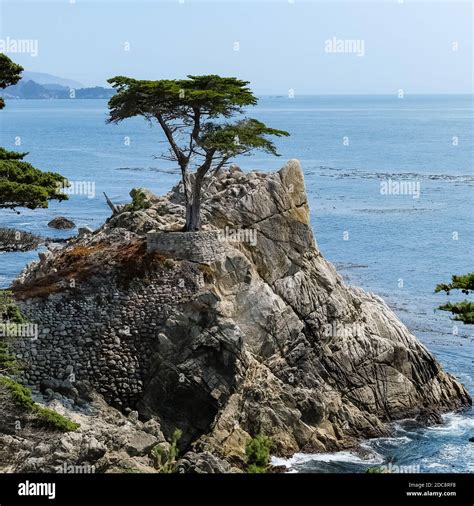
<point x="193" y="215"/>
<point x="193" y="207"/>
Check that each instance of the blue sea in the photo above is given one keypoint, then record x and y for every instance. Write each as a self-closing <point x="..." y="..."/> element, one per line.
<point x="398" y="246"/>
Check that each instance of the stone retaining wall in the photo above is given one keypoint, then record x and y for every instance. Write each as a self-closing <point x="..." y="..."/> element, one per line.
<point x="202" y="247"/>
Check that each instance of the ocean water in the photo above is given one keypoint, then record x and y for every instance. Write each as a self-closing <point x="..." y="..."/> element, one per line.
<point x="396" y="245"/>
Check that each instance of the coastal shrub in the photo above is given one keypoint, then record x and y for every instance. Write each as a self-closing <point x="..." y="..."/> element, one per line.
<point x="377" y="470"/>
<point x="139" y="201"/>
<point x="207" y="273"/>
<point x="164" y="459"/>
<point x="8" y="362"/>
<point x="10" y="314"/>
<point x="9" y="311"/>
<point x="257" y="452"/>
<point x="22" y="397"/>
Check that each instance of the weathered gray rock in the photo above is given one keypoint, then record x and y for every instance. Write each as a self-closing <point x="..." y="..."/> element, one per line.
<point x="202" y="463"/>
<point x="97" y="446"/>
<point x="264" y="337"/>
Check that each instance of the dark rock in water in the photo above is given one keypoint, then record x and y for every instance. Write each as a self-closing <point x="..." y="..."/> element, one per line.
<point x="61" y="223"/>
<point x="429" y="417"/>
<point x="471" y="439"/>
<point x="16" y="240"/>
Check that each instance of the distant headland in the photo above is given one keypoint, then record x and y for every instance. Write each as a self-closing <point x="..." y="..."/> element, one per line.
<point x="37" y="85"/>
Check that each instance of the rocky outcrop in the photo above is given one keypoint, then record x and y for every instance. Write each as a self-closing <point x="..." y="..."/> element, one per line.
<point x="17" y="240"/>
<point x="107" y="441"/>
<point x="261" y="335"/>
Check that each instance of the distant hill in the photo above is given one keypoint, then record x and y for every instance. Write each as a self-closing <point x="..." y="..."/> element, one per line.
<point x="29" y="89"/>
<point x="42" y="78"/>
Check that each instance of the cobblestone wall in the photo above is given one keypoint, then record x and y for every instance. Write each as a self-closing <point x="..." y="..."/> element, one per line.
<point x="105" y="337"/>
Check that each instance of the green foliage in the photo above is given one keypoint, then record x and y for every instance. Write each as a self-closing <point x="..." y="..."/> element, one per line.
<point x="22" y="397"/>
<point x="464" y="282"/>
<point x="55" y="420"/>
<point x="240" y="138"/>
<point x="377" y="470"/>
<point x="8" y="363"/>
<point x="257" y="451"/>
<point x="5" y="154"/>
<point x="9" y="311"/>
<point x="165" y="459"/>
<point x="9" y="74"/>
<point x="139" y="201"/>
<point x="9" y="314"/>
<point x="463" y="311"/>
<point x="214" y="95"/>
<point x="21" y="184"/>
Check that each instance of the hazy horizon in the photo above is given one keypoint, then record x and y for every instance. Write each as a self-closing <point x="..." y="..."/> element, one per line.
<point x="311" y="48"/>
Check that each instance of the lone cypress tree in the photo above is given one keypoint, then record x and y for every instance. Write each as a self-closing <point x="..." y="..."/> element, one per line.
<point x="193" y="114"/>
<point x="21" y="184"/>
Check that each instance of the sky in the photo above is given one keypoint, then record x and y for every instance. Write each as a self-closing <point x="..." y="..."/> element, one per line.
<point x="311" y="47"/>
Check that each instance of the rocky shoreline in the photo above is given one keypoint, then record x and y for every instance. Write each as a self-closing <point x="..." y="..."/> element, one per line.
<point x="239" y="330"/>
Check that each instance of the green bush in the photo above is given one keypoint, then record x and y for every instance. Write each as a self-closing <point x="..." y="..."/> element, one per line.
<point x="9" y="311"/>
<point x="10" y="314"/>
<point x="257" y="452"/>
<point x="139" y="201"/>
<point x="165" y="460"/>
<point x="22" y="397"/>
<point x="377" y="470"/>
<point x="8" y="363"/>
<point x="55" y="420"/>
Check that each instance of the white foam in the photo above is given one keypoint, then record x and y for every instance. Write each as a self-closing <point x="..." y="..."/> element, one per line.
<point x="390" y="441"/>
<point x="343" y="456"/>
<point x="453" y="424"/>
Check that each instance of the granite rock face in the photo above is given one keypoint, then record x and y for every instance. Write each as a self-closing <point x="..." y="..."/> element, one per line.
<point x="261" y="336"/>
